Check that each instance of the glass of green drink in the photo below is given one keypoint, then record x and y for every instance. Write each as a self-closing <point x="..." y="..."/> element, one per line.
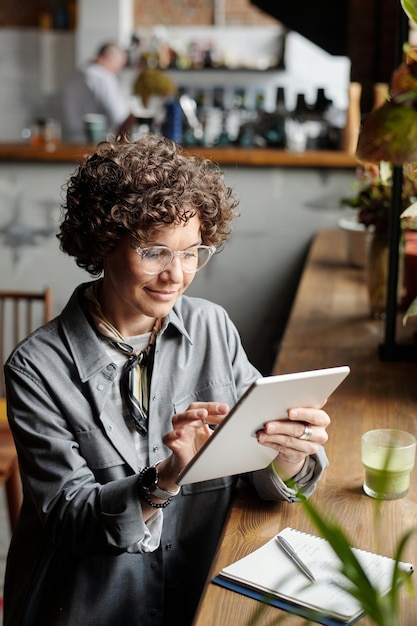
<point x="388" y="457"/>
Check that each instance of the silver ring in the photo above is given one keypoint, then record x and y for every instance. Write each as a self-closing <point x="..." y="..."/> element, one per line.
<point x="307" y="432"/>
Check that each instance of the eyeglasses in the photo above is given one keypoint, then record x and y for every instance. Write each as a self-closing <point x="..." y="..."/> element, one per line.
<point x="156" y="259"/>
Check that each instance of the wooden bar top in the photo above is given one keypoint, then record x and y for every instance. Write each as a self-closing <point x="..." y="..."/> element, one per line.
<point x="253" y="157"/>
<point x="329" y="325"/>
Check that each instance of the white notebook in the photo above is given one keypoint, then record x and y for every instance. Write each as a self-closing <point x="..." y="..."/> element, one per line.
<point x="272" y="572"/>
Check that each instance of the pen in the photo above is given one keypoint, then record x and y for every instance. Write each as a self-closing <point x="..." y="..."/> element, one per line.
<point x="294" y="557"/>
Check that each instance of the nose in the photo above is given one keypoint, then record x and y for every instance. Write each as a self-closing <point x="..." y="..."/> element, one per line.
<point x="174" y="271"/>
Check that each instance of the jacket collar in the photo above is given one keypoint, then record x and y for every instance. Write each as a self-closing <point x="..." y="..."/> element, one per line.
<point x="85" y="345"/>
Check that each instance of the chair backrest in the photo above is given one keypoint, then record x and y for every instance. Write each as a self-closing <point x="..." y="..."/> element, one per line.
<point x="20" y="313"/>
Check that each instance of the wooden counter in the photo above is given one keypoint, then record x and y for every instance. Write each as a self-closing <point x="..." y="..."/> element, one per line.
<point x="254" y="157"/>
<point x="329" y="325"/>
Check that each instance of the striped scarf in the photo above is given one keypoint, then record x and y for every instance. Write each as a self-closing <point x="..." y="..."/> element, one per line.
<point x="135" y="378"/>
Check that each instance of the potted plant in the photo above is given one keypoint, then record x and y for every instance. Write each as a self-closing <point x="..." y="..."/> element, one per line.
<point x="389" y="133"/>
<point x="372" y="202"/>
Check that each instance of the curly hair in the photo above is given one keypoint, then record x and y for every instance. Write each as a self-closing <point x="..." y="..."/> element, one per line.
<point x="135" y="188"/>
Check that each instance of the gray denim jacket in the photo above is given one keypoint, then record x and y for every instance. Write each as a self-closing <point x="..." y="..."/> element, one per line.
<point x="71" y="560"/>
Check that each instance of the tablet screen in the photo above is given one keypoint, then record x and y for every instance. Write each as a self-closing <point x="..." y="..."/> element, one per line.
<point x="233" y="448"/>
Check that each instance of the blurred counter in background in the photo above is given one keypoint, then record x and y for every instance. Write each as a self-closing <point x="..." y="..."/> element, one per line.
<point x="261" y="157"/>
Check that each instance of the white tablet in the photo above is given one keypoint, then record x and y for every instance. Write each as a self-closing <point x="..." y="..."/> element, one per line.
<point x="233" y="447"/>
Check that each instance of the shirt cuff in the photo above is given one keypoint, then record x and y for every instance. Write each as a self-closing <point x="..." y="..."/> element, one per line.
<point x="151" y="535"/>
<point x="300" y="480"/>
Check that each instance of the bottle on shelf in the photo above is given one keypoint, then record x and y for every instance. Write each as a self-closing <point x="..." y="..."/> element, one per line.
<point x="322" y="103"/>
<point x="296" y="126"/>
<point x="260" y="100"/>
<point x="310" y="125"/>
<point x="172" y="126"/>
<point x="275" y="133"/>
<point x="218" y="98"/>
<point x="281" y="114"/>
<point x="239" y="98"/>
<point x="318" y="125"/>
<point x="302" y="110"/>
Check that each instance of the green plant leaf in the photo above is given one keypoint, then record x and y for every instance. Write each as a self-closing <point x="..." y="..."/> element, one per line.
<point x="410" y="312"/>
<point x="360" y="586"/>
<point x="410" y="8"/>
<point x="399" y="574"/>
<point x="389" y="134"/>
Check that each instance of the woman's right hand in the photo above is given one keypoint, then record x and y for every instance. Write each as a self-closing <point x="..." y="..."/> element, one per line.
<point x="190" y="431"/>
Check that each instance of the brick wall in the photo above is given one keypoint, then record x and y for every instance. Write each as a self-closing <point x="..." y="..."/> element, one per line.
<point x="201" y="13"/>
<point x="26" y="13"/>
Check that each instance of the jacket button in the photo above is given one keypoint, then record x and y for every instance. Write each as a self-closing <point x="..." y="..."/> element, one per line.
<point x="100" y="387"/>
<point x="109" y="428"/>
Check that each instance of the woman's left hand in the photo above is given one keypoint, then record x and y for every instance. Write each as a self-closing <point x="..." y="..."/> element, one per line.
<point x="295" y="439"/>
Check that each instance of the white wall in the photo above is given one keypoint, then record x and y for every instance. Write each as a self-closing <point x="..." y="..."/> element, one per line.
<point x="99" y="21"/>
<point x="34" y="66"/>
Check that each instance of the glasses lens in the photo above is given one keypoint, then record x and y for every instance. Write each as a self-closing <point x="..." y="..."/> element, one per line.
<point x="156" y="259"/>
<point x="195" y="258"/>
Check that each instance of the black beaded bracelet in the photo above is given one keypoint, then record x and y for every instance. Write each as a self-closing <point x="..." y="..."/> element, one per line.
<point x="155" y="505"/>
<point x="145" y="493"/>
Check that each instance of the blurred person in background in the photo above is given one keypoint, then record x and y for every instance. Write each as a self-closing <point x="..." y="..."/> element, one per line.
<point x="96" y="89"/>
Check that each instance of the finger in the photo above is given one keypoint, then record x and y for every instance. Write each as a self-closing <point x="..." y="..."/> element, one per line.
<point x="292" y="434"/>
<point x="289" y="449"/>
<point x="311" y="416"/>
<point x="179" y="420"/>
<point x="293" y="430"/>
<point x="198" y="417"/>
<point x="213" y="408"/>
<point x="214" y="412"/>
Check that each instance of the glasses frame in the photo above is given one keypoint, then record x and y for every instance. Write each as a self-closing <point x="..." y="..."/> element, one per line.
<point x="175" y="253"/>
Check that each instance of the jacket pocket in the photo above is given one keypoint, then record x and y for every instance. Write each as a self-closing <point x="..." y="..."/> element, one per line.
<point x="97" y="450"/>
<point x="212" y="392"/>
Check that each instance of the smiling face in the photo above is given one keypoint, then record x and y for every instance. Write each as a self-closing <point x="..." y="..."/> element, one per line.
<point x="131" y="299"/>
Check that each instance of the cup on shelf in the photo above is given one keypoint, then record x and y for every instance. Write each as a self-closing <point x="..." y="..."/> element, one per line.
<point x="95" y="126"/>
<point x="388" y="456"/>
<point x="44" y="132"/>
<point x="296" y="134"/>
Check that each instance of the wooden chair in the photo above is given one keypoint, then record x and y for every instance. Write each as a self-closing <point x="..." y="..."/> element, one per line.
<point x="20" y="313"/>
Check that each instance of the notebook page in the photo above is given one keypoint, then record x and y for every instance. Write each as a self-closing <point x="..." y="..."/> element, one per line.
<point x="270" y="570"/>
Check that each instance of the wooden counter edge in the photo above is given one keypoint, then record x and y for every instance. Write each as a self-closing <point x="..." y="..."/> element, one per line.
<point x="251" y="157"/>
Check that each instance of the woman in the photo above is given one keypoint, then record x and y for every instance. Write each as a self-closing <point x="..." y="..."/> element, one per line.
<point x="109" y="401"/>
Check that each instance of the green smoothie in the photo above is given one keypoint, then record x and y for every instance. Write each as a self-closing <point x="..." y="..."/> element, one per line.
<point x="389" y="484"/>
<point x="388" y="459"/>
